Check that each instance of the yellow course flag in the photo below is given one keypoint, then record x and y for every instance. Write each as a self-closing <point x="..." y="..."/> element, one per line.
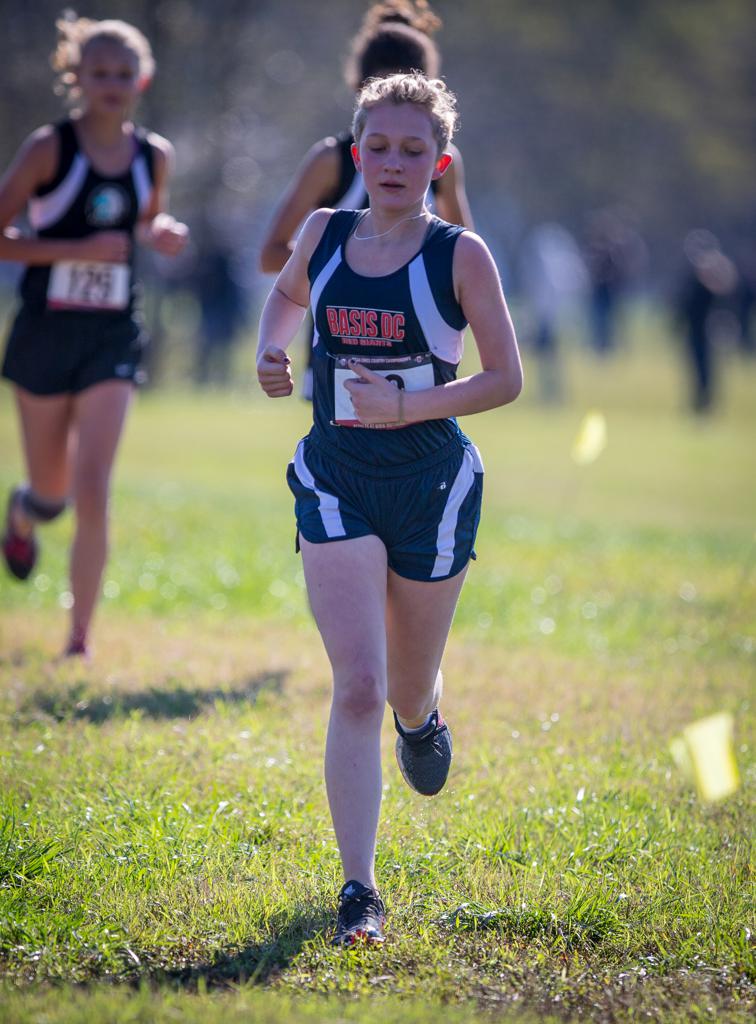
<point x="705" y="753"/>
<point x="591" y="438"/>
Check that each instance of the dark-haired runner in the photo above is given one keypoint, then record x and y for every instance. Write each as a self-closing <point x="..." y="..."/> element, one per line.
<point x="395" y="36"/>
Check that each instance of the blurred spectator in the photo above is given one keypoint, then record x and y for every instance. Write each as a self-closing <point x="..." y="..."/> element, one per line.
<point x="222" y="314"/>
<point x="745" y="261"/>
<point x="710" y="279"/>
<point x="553" y="279"/>
<point x="615" y="255"/>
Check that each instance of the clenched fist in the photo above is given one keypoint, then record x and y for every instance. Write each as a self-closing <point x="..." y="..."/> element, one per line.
<point x="274" y="372"/>
<point x="166" y="235"/>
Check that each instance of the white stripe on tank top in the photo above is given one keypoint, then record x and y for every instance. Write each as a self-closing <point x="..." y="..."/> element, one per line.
<point x="322" y="280"/>
<point x="445" y="342"/>
<point x="46" y="210"/>
<point x="142" y="184"/>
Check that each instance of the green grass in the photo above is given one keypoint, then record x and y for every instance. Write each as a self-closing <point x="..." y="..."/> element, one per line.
<point x="166" y="851"/>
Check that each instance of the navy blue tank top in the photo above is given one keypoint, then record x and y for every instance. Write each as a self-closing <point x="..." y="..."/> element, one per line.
<point x="79" y="201"/>
<point x="407" y="326"/>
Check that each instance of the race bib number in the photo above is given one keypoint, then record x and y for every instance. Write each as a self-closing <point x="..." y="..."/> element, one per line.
<point x="88" y="286"/>
<point x="412" y="373"/>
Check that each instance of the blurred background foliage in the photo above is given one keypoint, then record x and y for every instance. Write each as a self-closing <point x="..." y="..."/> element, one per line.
<point x="566" y="108"/>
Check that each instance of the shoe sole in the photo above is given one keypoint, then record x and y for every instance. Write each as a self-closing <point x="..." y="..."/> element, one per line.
<point x="409" y="782"/>
<point x="359" y="938"/>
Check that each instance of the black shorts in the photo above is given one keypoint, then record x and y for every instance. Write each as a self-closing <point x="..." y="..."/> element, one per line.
<point x="51" y="353"/>
<point x="426" y="513"/>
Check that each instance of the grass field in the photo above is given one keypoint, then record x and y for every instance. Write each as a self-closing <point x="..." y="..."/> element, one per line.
<point x="166" y="852"/>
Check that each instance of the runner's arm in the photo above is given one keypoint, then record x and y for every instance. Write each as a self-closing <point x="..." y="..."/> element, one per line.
<point x="315" y="179"/>
<point x="157" y="229"/>
<point x="284" y="311"/>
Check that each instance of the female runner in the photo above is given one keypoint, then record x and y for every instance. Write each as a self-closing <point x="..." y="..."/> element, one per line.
<point x="387" y="517"/>
<point x="93" y="185"/>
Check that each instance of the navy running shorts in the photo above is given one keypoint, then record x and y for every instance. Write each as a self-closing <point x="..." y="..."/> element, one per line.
<point x="426" y="513"/>
<point x="50" y="353"/>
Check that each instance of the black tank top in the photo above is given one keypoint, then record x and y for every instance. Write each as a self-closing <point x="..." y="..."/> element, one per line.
<point x="80" y="201"/>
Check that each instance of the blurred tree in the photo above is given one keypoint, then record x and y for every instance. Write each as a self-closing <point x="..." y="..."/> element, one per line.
<point x="565" y="107"/>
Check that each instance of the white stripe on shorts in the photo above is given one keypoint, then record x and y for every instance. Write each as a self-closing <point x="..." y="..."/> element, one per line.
<point x="328" y="503"/>
<point x="447" y="528"/>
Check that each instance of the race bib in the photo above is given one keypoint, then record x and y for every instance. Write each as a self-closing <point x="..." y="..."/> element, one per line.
<point x="88" y="286"/>
<point x="412" y="373"/>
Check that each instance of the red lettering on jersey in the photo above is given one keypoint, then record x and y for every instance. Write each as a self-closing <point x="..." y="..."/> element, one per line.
<point x="355" y="322"/>
<point x="347" y="323"/>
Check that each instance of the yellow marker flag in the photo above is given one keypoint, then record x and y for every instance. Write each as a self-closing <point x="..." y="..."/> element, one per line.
<point x="706" y="755"/>
<point x="591" y="438"/>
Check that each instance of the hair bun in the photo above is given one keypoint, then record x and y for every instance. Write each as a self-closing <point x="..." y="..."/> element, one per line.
<point x="414" y="13"/>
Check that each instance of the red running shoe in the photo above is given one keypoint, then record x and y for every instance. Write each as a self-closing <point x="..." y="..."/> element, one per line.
<point x="20" y="553"/>
<point x="77" y="646"/>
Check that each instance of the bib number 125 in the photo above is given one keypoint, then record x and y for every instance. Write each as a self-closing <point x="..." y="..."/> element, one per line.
<point x="88" y="286"/>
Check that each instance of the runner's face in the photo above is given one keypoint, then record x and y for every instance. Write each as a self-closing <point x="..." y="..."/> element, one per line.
<point x="108" y="76"/>
<point x="398" y="154"/>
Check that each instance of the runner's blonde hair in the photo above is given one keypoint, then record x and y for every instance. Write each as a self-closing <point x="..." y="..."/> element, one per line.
<point x="76" y="34"/>
<point x="429" y="93"/>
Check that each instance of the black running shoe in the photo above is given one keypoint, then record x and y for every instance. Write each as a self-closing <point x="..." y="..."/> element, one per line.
<point x="424" y="758"/>
<point x="362" y="916"/>
<point x="20" y="553"/>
